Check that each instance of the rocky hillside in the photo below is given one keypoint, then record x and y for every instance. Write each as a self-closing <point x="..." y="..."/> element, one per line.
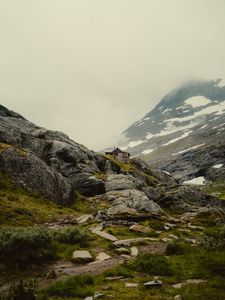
<point x="185" y="133"/>
<point x="56" y="167"/>
<point x="75" y="224"/>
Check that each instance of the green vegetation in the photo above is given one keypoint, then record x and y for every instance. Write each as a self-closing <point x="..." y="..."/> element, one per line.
<point x="21" y="290"/>
<point x="152" y="264"/>
<point x="78" y="286"/>
<point x="101" y="176"/>
<point x="126" y="167"/>
<point x="24" y="245"/>
<point x="122" y="270"/>
<point x="73" y="235"/>
<point x="216" y="188"/>
<point x="179" y="248"/>
<point x="22" y="208"/>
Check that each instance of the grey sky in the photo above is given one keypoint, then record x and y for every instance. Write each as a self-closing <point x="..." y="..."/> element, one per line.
<point x="92" y="67"/>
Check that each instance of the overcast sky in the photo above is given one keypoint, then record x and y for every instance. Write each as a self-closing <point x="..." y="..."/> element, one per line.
<point x="90" y="68"/>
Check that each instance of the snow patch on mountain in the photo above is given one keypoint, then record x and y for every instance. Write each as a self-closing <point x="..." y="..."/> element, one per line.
<point x="178" y="138"/>
<point x="218" y="166"/>
<point x="195" y="181"/>
<point x="133" y="144"/>
<point x="221" y="83"/>
<point x="188" y="149"/>
<point x="197" y="101"/>
<point x="147" y="151"/>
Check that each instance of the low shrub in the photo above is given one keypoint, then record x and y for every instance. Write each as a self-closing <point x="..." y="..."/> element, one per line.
<point x="121" y="270"/>
<point x="152" y="264"/>
<point x="212" y="264"/>
<point x="73" y="235"/>
<point x="179" y="248"/>
<point x="214" y="239"/>
<point x="79" y="286"/>
<point x="21" y="290"/>
<point x="22" y="245"/>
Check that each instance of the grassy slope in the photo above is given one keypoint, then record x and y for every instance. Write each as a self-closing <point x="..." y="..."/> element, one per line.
<point x="19" y="207"/>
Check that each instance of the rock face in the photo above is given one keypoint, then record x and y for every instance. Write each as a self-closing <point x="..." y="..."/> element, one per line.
<point x="33" y="174"/>
<point x="50" y="163"/>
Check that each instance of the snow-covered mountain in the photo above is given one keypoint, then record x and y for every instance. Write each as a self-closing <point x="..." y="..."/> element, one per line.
<point x="188" y="120"/>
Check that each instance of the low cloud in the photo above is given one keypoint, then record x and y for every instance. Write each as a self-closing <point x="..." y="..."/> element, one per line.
<point x="91" y="68"/>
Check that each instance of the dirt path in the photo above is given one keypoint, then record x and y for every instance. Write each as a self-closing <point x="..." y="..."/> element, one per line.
<point x="65" y="270"/>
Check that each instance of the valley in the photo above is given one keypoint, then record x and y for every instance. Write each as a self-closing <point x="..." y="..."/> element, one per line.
<point x="76" y="224"/>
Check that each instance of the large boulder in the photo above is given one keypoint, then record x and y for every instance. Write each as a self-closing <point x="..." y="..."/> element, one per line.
<point x="33" y="174"/>
<point x="129" y="202"/>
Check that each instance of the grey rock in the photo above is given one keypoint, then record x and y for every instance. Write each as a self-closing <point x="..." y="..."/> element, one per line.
<point x="98" y="295"/>
<point x="81" y="256"/>
<point x="105" y="235"/>
<point x="177" y="297"/>
<point x="178" y="285"/>
<point x="134" y="241"/>
<point x="111" y="278"/>
<point x="152" y="283"/>
<point x="131" y="284"/>
<point x="123" y="250"/>
<point x="119" y="182"/>
<point x="195" y="281"/>
<point x="173" y="236"/>
<point x="130" y="201"/>
<point x="84" y="218"/>
<point x="102" y="256"/>
<point x="134" y="251"/>
<point x="33" y="174"/>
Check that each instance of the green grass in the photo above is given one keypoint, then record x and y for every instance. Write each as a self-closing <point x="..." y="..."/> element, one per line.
<point x="152" y="264"/>
<point x="78" y="286"/>
<point x="23" y="246"/>
<point x="22" y="208"/>
<point x="126" y="167"/>
<point x="216" y="188"/>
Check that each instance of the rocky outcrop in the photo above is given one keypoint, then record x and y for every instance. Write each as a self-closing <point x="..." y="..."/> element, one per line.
<point x="207" y="161"/>
<point x="50" y="163"/>
<point x="33" y="174"/>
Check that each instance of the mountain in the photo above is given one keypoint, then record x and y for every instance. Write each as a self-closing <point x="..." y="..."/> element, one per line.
<point x="185" y="133"/>
<point x="75" y="223"/>
<point x="51" y="164"/>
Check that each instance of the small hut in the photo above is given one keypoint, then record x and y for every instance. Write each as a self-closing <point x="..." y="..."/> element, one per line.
<point x="121" y="155"/>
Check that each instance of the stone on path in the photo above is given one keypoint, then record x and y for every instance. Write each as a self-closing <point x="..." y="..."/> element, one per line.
<point x="128" y="242"/>
<point x="195" y="281"/>
<point x="177" y="297"/>
<point x="81" y="256"/>
<point x="84" y="218"/>
<point x="99" y="227"/>
<point x="114" y="278"/>
<point x="166" y="240"/>
<point x="173" y="236"/>
<point x="188" y="281"/>
<point x="134" y="251"/>
<point x="102" y="256"/>
<point x="155" y="282"/>
<point x="130" y="284"/>
<point x="105" y="235"/>
<point x="123" y="250"/>
<point x="125" y="256"/>
<point x="178" y="285"/>
<point x="192" y="241"/>
<point x="139" y="228"/>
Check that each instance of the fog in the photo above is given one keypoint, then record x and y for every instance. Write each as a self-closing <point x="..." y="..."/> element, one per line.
<point x="90" y="68"/>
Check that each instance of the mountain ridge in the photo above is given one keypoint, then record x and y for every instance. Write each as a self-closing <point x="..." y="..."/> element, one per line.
<point x="191" y="116"/>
